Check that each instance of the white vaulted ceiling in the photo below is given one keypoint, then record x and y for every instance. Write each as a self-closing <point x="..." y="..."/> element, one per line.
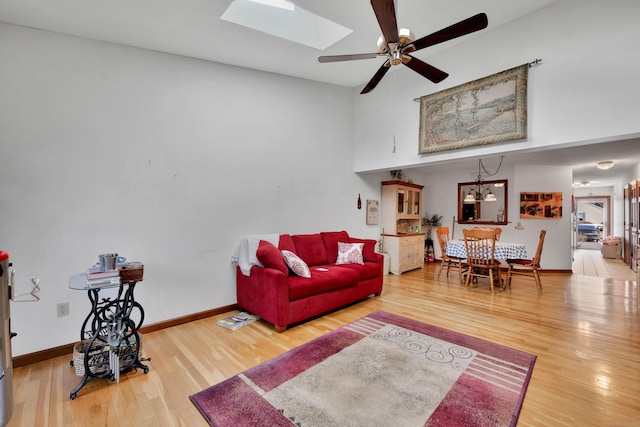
<point x="193" y="28"/>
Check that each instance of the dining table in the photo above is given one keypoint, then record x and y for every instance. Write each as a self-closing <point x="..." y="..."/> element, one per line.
<point x="504" y="250"/>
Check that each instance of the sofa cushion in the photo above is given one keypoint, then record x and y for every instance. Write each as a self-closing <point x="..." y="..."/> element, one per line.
<point x="368" y="270"/>
<point x="310" y="248"/>
<point x="349" y="253"/>
<point x="270" y="257"/>
<point x="323" y="278"/>
<point x="286" y="243"/>
<point x="331" y="239"/>
<point x="298" y="266"/>
<point x="369" y="251"/>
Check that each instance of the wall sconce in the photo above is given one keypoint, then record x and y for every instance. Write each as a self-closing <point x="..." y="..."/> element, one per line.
<point x="359" y="202"/>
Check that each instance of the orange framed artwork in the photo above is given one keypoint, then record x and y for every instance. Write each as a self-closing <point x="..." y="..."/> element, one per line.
<point x="536" y="205"/>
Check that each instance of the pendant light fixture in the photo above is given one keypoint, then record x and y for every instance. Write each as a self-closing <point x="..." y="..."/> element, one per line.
<point x="481" y="191"/>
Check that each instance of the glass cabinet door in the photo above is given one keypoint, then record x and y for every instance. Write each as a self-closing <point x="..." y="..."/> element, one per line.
<point x="400" y="201"/>
<point x="416" y="203"/>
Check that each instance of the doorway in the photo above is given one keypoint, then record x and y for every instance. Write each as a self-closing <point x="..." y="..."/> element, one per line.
<point x="592" y="214"/>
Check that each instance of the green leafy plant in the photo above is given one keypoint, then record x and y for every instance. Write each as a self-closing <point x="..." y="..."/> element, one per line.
<point x="431" y="222"/>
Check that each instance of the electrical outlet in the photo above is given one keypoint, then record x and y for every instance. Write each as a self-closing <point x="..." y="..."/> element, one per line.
<point x="63" y="309"/>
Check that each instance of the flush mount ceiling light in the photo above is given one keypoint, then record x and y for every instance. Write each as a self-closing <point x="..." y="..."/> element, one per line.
<point x="585" y="184"/>
<point x="605" y="165"/>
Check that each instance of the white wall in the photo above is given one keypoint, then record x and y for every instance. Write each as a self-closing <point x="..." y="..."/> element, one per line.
<point x="166" y="160"/>
<point x="557" y="244"/>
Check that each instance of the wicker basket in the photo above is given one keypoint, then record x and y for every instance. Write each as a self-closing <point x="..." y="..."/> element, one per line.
<point x="131" y="274"/>
<point x="99" y="356"/>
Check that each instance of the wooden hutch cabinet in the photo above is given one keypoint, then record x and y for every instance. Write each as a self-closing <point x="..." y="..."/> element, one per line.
<point x="402" y="225"/>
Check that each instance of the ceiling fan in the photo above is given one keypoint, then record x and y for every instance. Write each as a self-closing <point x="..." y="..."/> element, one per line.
<point x="396" y="44"/>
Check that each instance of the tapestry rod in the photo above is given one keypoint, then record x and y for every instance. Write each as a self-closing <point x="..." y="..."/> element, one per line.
<point x="530" y="64"/>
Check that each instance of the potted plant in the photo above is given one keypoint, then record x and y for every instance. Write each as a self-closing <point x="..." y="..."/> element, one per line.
<point x="429" y="223"/>
<point x="381" y="250"/>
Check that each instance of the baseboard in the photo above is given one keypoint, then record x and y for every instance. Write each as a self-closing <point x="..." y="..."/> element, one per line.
<point x="546" y="270"/>
<point x="67" y="349"/>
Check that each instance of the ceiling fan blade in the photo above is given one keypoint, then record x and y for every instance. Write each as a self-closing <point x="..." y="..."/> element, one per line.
<point x="337" y="58"/>
<point x="467" y="26"/>
<point x="386" y="14"/>
<point x="376" y="78"/>
<point x="424" y="69"/>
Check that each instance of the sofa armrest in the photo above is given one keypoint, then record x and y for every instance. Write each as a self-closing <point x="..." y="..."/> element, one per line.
<point x="265" y="293"/>
<point x="379" y="258"/>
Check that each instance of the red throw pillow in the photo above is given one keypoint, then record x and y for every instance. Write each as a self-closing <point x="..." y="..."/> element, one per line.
<point x="369" y="251"/>
<point x="270" y="257"/>
<point x="310" y="248"/>
<point x="331" y="239"/>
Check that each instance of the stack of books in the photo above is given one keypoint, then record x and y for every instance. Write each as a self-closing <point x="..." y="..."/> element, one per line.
<point x="95" y="277"/>
<point x="238" y="320"/>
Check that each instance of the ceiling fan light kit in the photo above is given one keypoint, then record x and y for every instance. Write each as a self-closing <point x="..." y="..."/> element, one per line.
<point x="396" y="44"/>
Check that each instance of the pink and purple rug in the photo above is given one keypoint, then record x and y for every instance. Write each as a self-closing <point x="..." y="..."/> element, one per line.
<point x="382" y="370"/>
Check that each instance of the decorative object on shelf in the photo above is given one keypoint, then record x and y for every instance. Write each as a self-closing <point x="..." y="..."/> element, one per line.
<point x="359" y="202"/>
<point x="132" y="272"/>
<point x="481" y="190"/>
<point x="541" y="205"/>
<point x="485" y="111"/>
<point x="397" y="174"/>
<point x="373" y="212"/>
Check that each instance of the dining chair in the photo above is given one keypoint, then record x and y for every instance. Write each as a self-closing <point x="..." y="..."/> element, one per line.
<point x="481" y="247"/>
<point x="527" y="267"/>
<point x="460" y="264"/>
<point x="498" y="231"/>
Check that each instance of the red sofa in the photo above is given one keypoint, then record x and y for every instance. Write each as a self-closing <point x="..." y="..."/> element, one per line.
<point x="280" y="297"/>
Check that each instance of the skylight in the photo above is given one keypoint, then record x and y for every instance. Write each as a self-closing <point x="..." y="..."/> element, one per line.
<point x="284" y="19"/>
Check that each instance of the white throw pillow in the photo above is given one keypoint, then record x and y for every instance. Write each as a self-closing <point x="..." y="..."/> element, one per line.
<point x="296" y="265"/>
<point x="350" y="253"/>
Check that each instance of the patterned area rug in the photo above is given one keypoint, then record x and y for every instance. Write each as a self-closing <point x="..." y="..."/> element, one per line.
<point x="382" y="370"/>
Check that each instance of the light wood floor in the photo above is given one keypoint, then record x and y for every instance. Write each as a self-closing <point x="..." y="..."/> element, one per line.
<point x="590" y="262"/>
<point x="584" y="330"/>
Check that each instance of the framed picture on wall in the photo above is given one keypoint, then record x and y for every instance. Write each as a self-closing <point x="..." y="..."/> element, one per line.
<point x="536" y="205"/>
<point x="372" y="212"/>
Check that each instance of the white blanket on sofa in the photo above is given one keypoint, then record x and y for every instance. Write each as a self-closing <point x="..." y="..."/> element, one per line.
<point x="245" y="253"/>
